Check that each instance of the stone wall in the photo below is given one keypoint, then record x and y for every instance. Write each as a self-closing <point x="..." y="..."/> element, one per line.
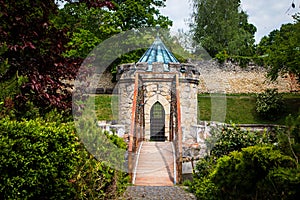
<point x="231" y="78"/>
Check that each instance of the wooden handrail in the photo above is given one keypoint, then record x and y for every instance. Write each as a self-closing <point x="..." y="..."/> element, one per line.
<point x="132" y="125"/>
<point x="179" y="133"/>
<point x="132" y="129"/>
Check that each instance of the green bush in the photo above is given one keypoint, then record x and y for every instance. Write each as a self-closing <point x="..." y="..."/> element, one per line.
<point x="249" y="165"/>
<point x="222" y="56"/>
<point x="205" y="189"/>
<point x="257" y="172"/>
<point x="45" y="160"/>
<point x="95" y="180"/>
<point x="38" y="159"/>
<point x="281" y="183"/>
<point x="202" y="186"/>
<point x="240" y="173"/>
<point x="269" y="104"/>
<point x="227" y="139"/>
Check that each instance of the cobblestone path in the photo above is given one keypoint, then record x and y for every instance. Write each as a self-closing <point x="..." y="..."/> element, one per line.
<point x="157" y="193"/>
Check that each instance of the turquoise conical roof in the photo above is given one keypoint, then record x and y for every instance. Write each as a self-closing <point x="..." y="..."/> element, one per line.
<point x="158" y="52"/>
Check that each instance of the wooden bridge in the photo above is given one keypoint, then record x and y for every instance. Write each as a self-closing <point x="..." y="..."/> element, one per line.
<point x="155" y="163"/>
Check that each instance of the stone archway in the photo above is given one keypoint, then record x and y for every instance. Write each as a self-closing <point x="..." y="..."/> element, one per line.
<point x="149" y="103"/>
<point x="157" y="122"/>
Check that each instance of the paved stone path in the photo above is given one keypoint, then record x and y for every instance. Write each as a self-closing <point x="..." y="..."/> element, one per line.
<point x="155" y="165"/>
<point x="157" y="193"/>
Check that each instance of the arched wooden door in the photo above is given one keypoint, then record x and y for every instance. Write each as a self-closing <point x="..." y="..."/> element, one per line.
<point x="157" y="122"/>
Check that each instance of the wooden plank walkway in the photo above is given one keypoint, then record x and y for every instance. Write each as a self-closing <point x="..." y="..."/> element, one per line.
<point x="155" y="165"/>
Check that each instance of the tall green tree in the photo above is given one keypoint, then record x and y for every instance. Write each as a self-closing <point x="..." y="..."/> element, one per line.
<point x="283" y="53"/>
<point x="266" y="42"/>
<point x="220" y="26"/>
<point x="89" y="25"/>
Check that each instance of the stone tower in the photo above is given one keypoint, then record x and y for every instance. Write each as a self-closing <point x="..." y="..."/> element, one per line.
<point x="147" y="88"/>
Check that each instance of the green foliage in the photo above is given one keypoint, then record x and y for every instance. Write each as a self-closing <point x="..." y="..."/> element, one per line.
<point x="265" y="43"/>
<point x="227" y="139"/>
<point x="205" y="189"/>
<point x="38" y="159"/>
<point x="248" y="165"/>
<point x="88" y="26"/>
<point x="81" y="44"/>
<point x="242" y="61"/>
<point x="106" y="148"/>
<point x="280" y="183"/>
<point x="130" y="57"/>
<point x="119" y="142"/>
<point x="187" y="183"/>
<point x="204" y="167"/>
<point x="222" y="56"/>
<point x="9" y="85"/>
<point x="95" y="180"/>
<point x="131" y="14"/>
<point x="256" y="172"/>
<point x="281" y="50"/>
<point x="284" y="54"/>
<point x="222" y="142"/>
<point x="239" y="173"/>
<point x="45" y="160"/>
<point x="289" y="137"/>
<point x="269" y="104"/>
<point x="222" y="25"/>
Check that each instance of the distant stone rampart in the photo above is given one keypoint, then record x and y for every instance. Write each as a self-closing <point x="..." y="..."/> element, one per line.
<point x="228" y="77"/>
<point x="231" y="78"/>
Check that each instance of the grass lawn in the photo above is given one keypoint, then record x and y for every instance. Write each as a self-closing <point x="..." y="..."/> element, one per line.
<point x="103" y="107"/>
<point x="240" y="109"/>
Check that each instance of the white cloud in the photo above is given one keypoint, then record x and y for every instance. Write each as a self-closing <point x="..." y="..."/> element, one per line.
<point x="267" y="15"/>
<point x="178" y="11"/>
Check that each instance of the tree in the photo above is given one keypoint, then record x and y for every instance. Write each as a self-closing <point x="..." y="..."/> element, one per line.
<point x="266" y="42"/>
<point x="131" y="14"/>
<point x="222" y="26"/>
<point x="284" y="51"/>
<point x="36" y="45"/>
<point x="270" y="104"/>
<point x="88" y="26"/>
<point x="34" y="48"/>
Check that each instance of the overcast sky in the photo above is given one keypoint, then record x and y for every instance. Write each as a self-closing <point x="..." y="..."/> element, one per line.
<point x="266" y="15"/>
